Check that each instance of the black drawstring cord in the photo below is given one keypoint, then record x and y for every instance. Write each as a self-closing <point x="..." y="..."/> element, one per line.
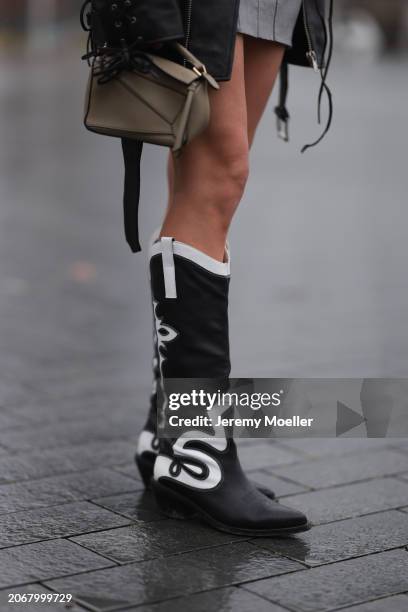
<point x="323" y="76"/>
<point x="323" y="86"/>
<point x="111" y="60"/>
<point x="85" y="19"/>
<point x="329" y="120"/>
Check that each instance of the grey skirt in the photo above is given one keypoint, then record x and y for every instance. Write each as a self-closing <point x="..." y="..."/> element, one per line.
<point x="269" y="19"/>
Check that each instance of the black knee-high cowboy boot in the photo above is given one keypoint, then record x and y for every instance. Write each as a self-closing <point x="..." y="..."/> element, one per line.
<point x="198" y="472"/>
<point x="148" y="443"/>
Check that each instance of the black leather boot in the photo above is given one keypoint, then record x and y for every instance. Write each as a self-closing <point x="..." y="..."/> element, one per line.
<point x="148" y="443"/>
<point x="198" y="473"/>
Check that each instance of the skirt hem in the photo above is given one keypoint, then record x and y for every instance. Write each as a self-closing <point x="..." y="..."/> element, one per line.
<point x="277" y="40"/>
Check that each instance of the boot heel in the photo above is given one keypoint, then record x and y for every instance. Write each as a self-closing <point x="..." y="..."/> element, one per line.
<point x="145" y="464"/>
<point x="170" y="503"/>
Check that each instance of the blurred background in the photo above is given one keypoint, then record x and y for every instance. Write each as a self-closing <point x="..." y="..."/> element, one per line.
<point x="319" y="245"/>
<point x="368" y="25"/>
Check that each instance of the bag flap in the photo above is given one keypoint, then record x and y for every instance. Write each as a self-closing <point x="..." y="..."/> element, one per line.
<point x="174" y="70"/>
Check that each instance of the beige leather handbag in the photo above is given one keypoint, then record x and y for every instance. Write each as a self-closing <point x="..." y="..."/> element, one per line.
<point x="157" y="101"/>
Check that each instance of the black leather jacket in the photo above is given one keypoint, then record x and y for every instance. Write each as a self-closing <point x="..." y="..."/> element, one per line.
<point x="207" y="28"/>
<point x="210" y="29"/>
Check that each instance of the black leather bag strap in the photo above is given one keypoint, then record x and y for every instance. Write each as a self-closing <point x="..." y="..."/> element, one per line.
<point x="132" y="153"/>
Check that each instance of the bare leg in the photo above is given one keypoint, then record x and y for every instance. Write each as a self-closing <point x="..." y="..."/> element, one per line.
<point x="210" y="174"/>
<point x="207" y="182"/>
<point x="262" y="61"/>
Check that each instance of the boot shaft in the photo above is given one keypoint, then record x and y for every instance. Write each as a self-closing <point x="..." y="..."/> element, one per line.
<point x="190" y="307"/>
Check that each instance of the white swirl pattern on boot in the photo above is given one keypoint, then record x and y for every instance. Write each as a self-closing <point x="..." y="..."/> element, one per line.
<point x="197" y="469"/>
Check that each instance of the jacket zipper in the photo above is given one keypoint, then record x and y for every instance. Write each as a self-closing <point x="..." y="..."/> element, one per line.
<point x="311" y="53"/>
<point x="188" y="14"/>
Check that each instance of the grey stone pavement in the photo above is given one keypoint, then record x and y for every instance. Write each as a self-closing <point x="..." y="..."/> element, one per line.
<point x="318" y="289"/>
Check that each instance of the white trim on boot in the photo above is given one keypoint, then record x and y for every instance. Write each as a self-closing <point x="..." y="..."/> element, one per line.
<point x="192" y="254"/>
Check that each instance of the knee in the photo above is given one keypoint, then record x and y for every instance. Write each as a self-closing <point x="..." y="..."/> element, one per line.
<point x="230" y="170"/>
<point x="234" y="175"/>
<point x="211" y="176"/>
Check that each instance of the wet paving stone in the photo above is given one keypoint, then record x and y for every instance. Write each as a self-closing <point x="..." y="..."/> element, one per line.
<point x="33" y="606"/>
<point x="95" y="483"/>
<point x="64" y="488"/>
<point x="228" y="600"/>
<point x="128" y="469"/>
<point x="14" y="468"/>
<point x="280" y="486"/>
<point x="323" y="447"/>
<point x="397" y="603"/>
<point x="138" y="505"/>
<point x="343" y="539"/>
<point x="97" y="387"/>
<point x="330" y="472"/>
<point x="45" y="560"/>
<point x="261" y="455"/>
<point x="240" y="561"/>
<point x="349" y="582"/>
<point x="70" y="433"/>
<point x="179" y="575"/>
<point x="55" y="522"/>
<point x="352" y="500"/>
<point x="152" y="540"/>
<point x="71" y="404"/>
<point x="16" y="497"/>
